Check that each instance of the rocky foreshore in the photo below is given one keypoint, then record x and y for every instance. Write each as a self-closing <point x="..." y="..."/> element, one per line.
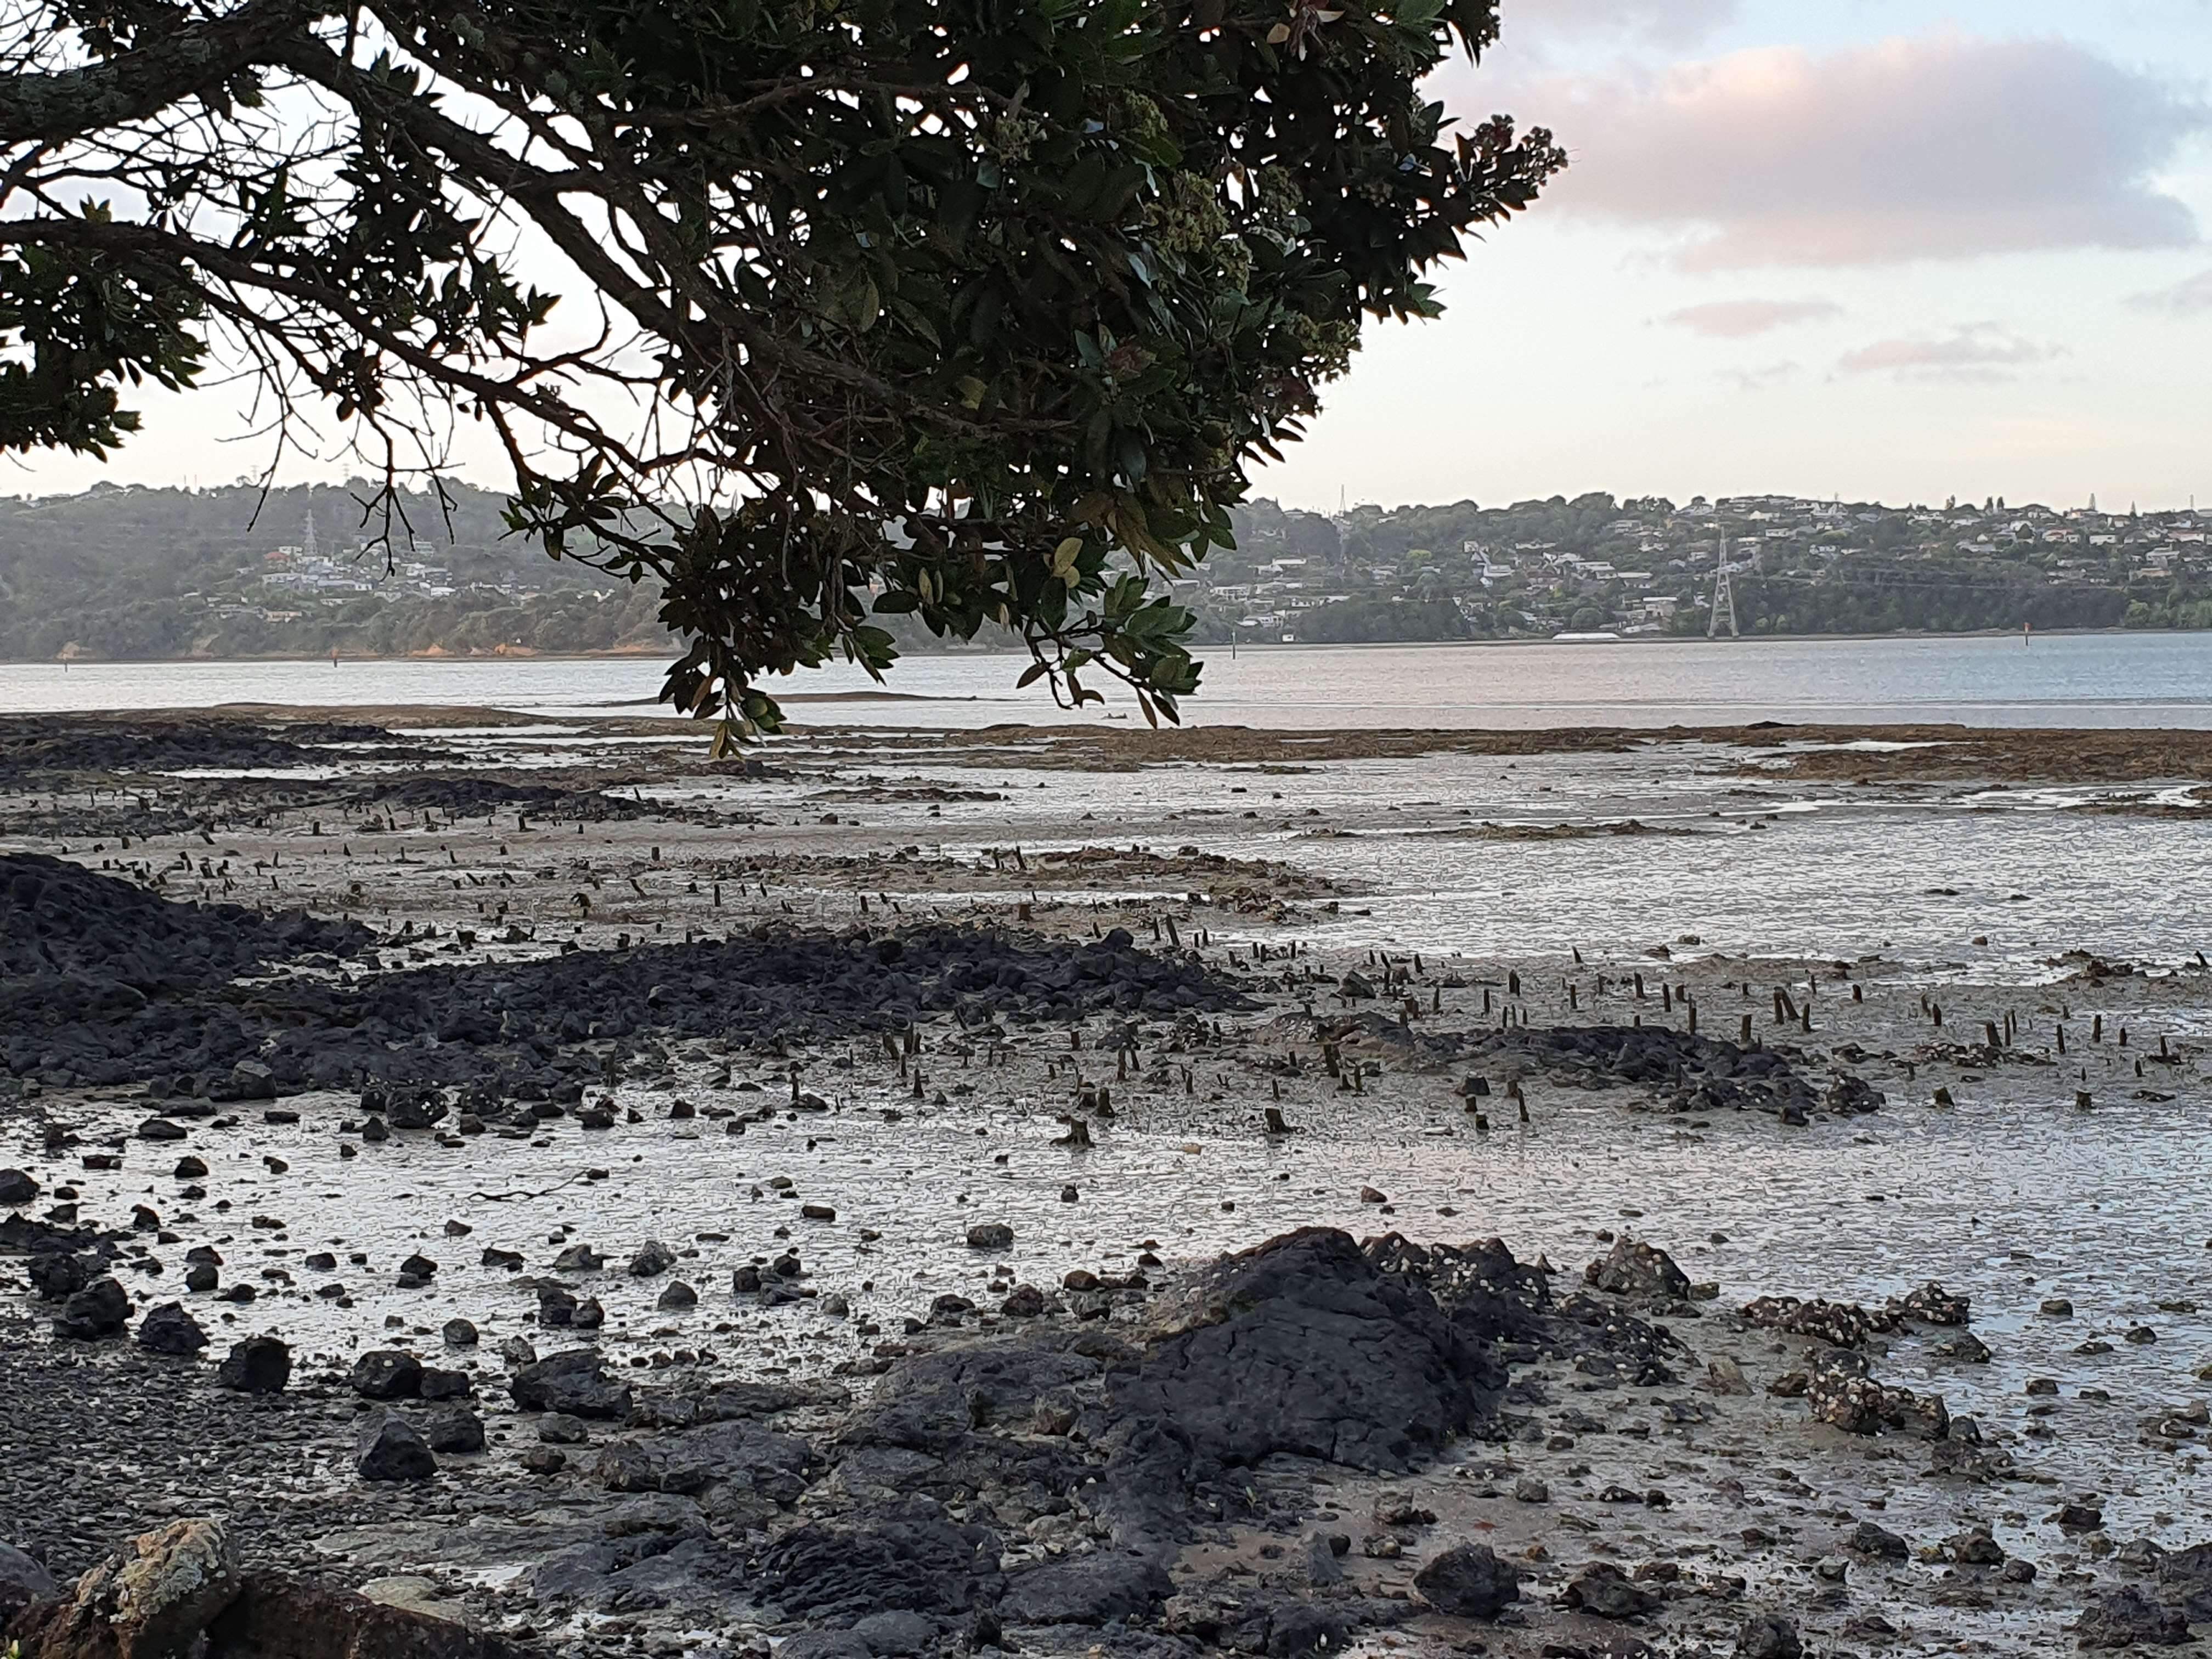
<point x="1281" y="1452"/>
<point x="552" y="1225"/>
<point x="1275" y="1453"/>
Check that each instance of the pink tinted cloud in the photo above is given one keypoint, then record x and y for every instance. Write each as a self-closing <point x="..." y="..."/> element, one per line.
<point x="1977" y="352"/>
<point x="1943" y="147"/>
<point x="1740" y="319"/>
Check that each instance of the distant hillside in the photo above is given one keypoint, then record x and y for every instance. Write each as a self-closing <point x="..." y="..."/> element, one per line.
<point x="127" y="572"/>
<point x="124" y="573"/>
<point x="1650" y="566"/>
<point x="136" y="573"/>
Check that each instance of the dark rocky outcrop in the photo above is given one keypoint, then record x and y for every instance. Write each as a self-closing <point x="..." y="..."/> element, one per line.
<point x="386" y="1373"/>
<point x="391" y="1448"/>
<point x="22" y="1580"/>
<point x="169" y="1329"/>
<point x="104" y="982"/>
<point x="1603" y="1591"/>
<point x="1305" y="1346"/>
<point x="21" y="1236"/>
<point x="35" y="747"/>
<point x="652" y="1259"/>
<point x="1309" y="1346"/>
<point x="110" y="939"/>
<point x="1686" y="1072"/>
<point x="1839" y="1324"/>
<point x="2126" y="1618"/>
<point x="1932" y="1304"/>
<point x="56" y="1275"/>
<point x="1090" y="1589"/>
<point x="2184" y="1578"/>
<point x="1634" y="1269"/>
<point x="1769" y="1636"/>
<point x="470" y="795"/>
<point x="212" y="1609"/>
<point x="1878" y="1542"/>
<point x="1468" y="1582"/>
<point x="259" y="1364"/>
<point x="575" y="1384"/>
<point x="454" y="1429"/>
<point x="98" y="1311"/>
<point x="907" y="1558"/>
<point x="1840" y="1392"/>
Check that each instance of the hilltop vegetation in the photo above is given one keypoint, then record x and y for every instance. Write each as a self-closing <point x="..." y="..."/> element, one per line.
<point x="131" y="573"/>
<point x="135" y="573"/>
<point x="1648" y="566"/>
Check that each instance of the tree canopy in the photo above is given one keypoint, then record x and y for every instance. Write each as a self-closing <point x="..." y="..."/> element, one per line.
<point x="973" y="309"/>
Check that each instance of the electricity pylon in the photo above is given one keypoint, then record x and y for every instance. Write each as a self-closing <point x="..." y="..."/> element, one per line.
<point x="1724" y="604"/>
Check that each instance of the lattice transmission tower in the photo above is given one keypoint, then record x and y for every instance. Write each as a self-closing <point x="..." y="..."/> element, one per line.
<point x="1724" y="604"/>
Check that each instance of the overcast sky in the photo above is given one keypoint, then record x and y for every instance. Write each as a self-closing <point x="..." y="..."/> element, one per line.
<point x="1882" y="249"/>
<point x="1879" y="248"/>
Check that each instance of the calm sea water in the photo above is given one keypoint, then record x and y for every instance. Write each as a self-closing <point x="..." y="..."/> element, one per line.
<point x="2077" y="680"/>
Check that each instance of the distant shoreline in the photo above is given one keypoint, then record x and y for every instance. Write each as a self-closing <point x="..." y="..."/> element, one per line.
<point x="347" y="658"/>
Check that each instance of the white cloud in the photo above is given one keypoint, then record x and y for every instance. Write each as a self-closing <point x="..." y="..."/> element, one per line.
<point x="1760" y="380"/>
<point x="1740" y="319"/>
<point x="1942" y="147"/>
<point x="2193" y="298"/>
<point x="1662" y="22"/>
<point x="1977" y="352"/>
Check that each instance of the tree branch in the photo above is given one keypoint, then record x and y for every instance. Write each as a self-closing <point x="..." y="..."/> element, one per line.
<point x="193" y="61"/>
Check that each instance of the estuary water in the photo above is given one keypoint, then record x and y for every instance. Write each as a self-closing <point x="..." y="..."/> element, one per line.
<point x="2062" y="680"/>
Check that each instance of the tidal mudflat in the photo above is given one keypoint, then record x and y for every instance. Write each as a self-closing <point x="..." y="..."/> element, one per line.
<point x="1732" y="1190"/>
